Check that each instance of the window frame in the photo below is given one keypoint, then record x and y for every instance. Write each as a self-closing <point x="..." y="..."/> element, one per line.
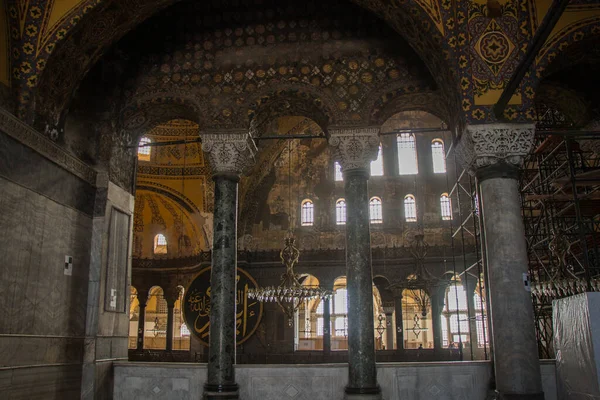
<point x="412" y="139"/>
<point x="144" y="152"/>
<point x="372" y="205"/>
<point x="435" y="154"/>
<point x="338" y="175"/>
<point x="340" y="211"/>
<point x="445" y="205"/>
<point x="412" y="215"/>
<point x="158" y="247"/>
<point x="307" y="213"/>
<point x="378" y="162"/>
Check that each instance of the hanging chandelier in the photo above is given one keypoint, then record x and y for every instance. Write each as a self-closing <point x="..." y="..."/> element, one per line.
<point x="422" y="282"/>
<point x="290" y="293"/>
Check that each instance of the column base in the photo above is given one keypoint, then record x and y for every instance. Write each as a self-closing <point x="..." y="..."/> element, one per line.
<point x="514" y="396"/>
<point x="373" y="393"/>
<point x="221" y="392"/>
<point x="348" y="396"/>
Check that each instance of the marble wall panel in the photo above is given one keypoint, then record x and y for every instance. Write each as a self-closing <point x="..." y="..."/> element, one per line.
<point x="415" y="381"/>
<point x="42" y="383"/>
<point x="43" y="310"/>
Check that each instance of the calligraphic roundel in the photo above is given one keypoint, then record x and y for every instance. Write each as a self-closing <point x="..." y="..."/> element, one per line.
<point x="196" y="306"/>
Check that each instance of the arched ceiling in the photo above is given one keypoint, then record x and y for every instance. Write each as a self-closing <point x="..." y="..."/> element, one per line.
<point x="156" y="213"/>
<point x="52" y="90"/>
<point x="469" y="48"/>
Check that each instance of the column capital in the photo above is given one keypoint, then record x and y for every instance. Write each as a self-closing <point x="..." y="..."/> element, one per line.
<point x="486" y="145"/>
<point x="354" y="147"/>
<point x="230" y="152"/>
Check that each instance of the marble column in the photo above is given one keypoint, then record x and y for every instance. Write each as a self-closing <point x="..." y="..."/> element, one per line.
<point x="142" y="299"/>
<point x="494" y="153"/>
<point x="355" y="148"/>
<point x="170" y="308"/>
<point x="229" y="154"/>
<point x="389" y="331"/>
<point x="437" y="307"/>
<point x="326" y="326"/>
<point x="399" y="319"/>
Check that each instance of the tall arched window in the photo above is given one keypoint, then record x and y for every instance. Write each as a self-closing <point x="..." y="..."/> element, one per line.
<point x="375" y="211"/>
<point x="340" y="212"/>
<point x="438" y="156"/>
<point x="308" y="213"/>
<point x="446" y="205"/>
<point x="377" y="165"/>
<point x="337" y="167"/>
<point x="144" y="149"/>
<point x="407" y="154"/>
<point x="410" y="208"/>
<point x="340" y="312"/>
<point x="160" y="244"/>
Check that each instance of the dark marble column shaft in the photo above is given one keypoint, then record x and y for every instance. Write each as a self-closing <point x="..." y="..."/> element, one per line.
<point x="437" y="306"/>
<point x="399" y="321"/>
<point x="389" y="331"/>
<point x="516" y="359"/>
<point x="326" y="326"/>
<point x="170" y="307"/>
<point x="142" y="299"/>
<point x="362" y="370"/>
<point x="222" y="341"/>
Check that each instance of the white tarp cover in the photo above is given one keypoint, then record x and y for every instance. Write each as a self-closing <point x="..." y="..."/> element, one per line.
<point x="576" y="368"/>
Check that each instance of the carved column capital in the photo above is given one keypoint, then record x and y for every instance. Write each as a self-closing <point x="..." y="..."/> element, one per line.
<point x="229" y="152"/>
<point x="485" y="145"/>
<point x="354" y="147"/>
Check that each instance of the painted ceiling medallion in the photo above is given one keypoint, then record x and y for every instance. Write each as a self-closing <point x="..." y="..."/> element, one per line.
<point x="494" y="47"/>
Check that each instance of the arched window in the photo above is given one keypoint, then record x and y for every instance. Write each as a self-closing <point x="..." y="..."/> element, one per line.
<point x="160" y="244"/>
<point x="308" y="213"/>
<point x="375" y="211"/>
<point x="438" y="156"/>
<point x="377" y="165"/>
<point x="446" y="206"/>
<point x="338" y="172"/>
<point x="410" y="208"/>
<point x="340" y="312"/>
<point x="340" y="212"/>
<point x="144" y="149"/>
<point x="407" y="154"/>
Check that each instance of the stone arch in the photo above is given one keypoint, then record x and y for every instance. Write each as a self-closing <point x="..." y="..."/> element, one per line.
<point x="391" y="103"/>
<point x="145" y="113"/>
<point x="108" y="22"/>
<point x="289" y="99"/>
<point x="574" y="44"/>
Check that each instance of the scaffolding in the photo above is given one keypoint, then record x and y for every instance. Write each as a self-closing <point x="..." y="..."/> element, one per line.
<point x="560" y="189"/>
<point x="464" y="230"/>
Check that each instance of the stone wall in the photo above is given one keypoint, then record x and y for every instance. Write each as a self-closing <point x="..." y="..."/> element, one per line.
<point x="46" y="215"/>
<point x="65" y="261"/>
<point x="415" y="381"/>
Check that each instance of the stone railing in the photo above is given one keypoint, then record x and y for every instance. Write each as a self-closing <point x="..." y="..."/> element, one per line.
<point x="379" y="254"/>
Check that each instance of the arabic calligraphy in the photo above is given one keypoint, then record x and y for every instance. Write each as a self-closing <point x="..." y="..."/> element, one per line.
<point x="196" y="310"/>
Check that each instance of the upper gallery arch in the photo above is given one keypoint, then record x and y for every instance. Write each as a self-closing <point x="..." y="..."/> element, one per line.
<point x="228" y="51"/>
